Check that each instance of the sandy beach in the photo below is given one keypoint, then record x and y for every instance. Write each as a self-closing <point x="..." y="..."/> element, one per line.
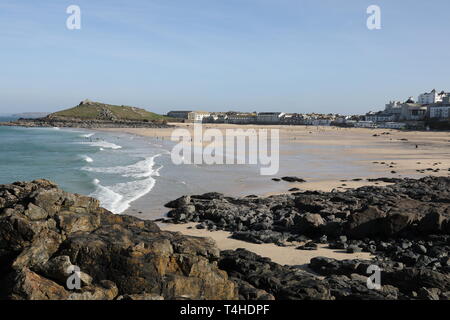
<point x="339" y="158"/>
<point x="288" y="255"/>
<point x="380" y="152"/>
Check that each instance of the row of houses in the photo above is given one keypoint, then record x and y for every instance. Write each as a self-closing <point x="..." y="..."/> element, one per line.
<point x="255" y="117"/>
<point x="432" y="105"/>
<point x="229" y="117"/>
<point x="282" y="118"/>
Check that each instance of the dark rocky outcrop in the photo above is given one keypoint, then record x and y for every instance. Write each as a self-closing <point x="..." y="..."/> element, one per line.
<point x="398" y="281"/>
<point x="85" y="124"/>
<point x="409" y="208"/>
<point x="293" y="179"/>
<point x="260" y="278"/>
<point x="405" y="225"/>
<point x="45" y="232"/>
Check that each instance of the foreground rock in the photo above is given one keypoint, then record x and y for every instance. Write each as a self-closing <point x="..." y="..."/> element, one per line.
<point x="45" y="234"/>
<point x="260" y="279"/>
<point x="56" y="245"/>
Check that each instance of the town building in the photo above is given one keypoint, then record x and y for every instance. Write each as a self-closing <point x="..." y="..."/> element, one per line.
<point x="318" y="122"/>
<point x="392" y="125"/>
<point x="216" y="117"/>
<point x="241" y="118"/>
<point x="380" y="116"/>
<point x="413" y="111"/>
<point x="269" y="117"/>
<point x="179" y="114"/>
<point x="394" y="108"/>
<point x="432" y="97"/>
<point x="197" y="116"/>
<point x="441" y="110"/>
<point x="364" y="124"/>
<point x="292" y="119"/>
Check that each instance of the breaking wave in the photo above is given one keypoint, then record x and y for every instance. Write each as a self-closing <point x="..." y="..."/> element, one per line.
<point x="118" y="197"/>
<point x="87" y="159"/>
<point x="88" y="135"/>
<point x="102" y="144"/>
<point x="141" y="169"/>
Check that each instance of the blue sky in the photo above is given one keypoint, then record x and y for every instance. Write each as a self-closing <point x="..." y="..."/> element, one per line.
<point x="265" y="55"/>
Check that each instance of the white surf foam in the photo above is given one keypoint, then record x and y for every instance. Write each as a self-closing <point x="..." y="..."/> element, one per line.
<point x="102" y="144"/>
<point x="87" y="159"/>
<point x="118" y="197"/>
<point x="141" y="169"/>
<point x="109" y="199"/>
<point x="88" y="135"/>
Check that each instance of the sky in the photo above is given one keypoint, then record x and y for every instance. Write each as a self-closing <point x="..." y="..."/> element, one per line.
<point x="219" y="55"/>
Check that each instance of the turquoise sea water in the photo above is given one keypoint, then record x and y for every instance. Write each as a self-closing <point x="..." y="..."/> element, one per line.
<point x="127" y="173"/>
<point x="135" y="175"/>
<point x="7" y="119"/>
<point x="115" y="169"/>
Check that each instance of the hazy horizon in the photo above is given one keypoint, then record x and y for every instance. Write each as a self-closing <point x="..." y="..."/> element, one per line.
<point x="245" y="55"/>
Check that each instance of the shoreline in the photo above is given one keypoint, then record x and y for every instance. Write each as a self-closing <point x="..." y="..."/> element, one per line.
<point x="391" y="155"/>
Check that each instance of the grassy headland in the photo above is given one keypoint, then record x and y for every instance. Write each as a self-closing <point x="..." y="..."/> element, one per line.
<point x="88" y="110"/>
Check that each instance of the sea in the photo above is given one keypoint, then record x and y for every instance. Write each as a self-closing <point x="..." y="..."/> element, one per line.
<point x="116" y="170"/>
<point x="126" y="173"/>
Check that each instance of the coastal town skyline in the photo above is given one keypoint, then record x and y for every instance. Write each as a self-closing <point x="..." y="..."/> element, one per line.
<point x="292" y="56"/>
<point x="432" y="105"/>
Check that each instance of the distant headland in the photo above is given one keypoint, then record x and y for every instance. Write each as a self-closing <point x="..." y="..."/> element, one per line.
<point x="90" y="114"/>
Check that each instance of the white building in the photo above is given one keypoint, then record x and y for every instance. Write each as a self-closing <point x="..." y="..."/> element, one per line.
<point x="216" y="117"/>
<point x="431" y="97"/>
<point x="269" y="117"/>
<point x="365" y="124"/>
<point x="380" y="116"/>
<point x="394" y="108"/>
<point x="241" y="118"/>
<point x="197" y="116"/>
<point x="440" y="112"/>
<point x="392" y="125"/>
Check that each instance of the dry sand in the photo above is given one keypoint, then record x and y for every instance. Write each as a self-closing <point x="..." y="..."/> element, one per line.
<point x="282" y="255"/>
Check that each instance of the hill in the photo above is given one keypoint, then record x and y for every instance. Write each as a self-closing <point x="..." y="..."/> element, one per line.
<point x="89" y="110"/>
